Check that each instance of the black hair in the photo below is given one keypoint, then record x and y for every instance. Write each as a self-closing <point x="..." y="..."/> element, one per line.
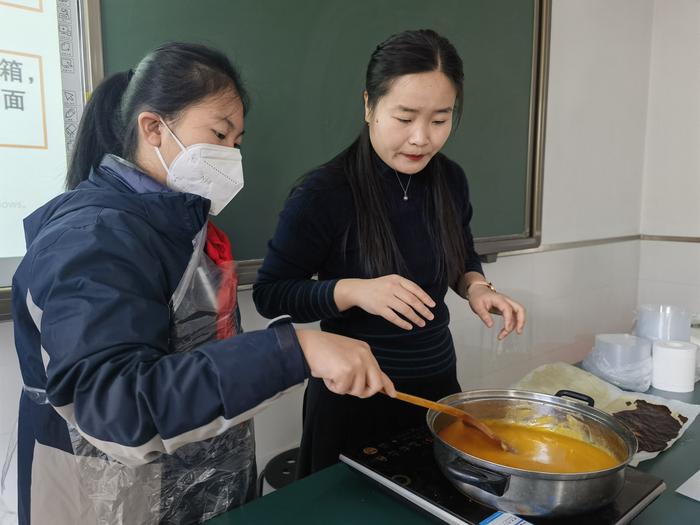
<point x="166" y="81"/>
<point x="405" y="53"/>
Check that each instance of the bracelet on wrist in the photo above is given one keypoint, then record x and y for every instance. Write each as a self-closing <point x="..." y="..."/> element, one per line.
<point x="478" y="283"/>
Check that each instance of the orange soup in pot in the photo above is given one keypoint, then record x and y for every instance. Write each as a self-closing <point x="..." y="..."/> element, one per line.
<point x="538" y="449"/>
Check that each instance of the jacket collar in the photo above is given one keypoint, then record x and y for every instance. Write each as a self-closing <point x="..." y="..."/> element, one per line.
<point x="131" y="175"/>
<point x="173" y="214"/>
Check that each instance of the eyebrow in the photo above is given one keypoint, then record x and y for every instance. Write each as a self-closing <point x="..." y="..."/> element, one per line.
<point x="229" y="122"/>
<point x="232" y="125"/>
<point x="412" y="110"/>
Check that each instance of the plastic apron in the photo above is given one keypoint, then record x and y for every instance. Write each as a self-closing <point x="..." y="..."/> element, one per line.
<point x="199" y="480"/>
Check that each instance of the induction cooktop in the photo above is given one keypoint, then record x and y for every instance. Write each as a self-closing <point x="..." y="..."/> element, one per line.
<point x="406" y="468"/>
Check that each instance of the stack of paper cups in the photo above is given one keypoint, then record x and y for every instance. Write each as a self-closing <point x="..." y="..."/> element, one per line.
<point x="663" y="322"/>
<point x="674" y="366"/>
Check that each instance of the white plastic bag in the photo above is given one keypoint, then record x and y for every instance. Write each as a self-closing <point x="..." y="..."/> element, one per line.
<point x="636" y="377"/>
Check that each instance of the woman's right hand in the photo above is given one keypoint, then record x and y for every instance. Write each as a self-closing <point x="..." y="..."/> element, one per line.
<point x="346" y="365"/>
<point x="386" y="296"/>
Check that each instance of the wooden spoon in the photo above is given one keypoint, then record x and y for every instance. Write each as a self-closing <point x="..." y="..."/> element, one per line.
<point x="456" y="412"/>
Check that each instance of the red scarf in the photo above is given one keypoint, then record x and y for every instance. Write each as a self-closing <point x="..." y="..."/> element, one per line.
<point x="218" y="248"/>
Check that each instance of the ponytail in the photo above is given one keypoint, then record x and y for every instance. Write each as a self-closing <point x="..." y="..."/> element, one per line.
<point x="100" y="129"/>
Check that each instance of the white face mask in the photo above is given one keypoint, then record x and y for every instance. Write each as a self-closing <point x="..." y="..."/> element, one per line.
<point x="208" y="170"/>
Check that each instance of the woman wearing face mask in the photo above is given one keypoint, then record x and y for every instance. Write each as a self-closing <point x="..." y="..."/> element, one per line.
<point x="385" y="225"/>
<point x="139" y="387"/>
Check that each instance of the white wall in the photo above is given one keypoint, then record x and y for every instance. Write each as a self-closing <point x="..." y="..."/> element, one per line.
<point x="671" y="200"/>
<point x="599" y="69"/>
<point x="610" y="82"/>
<point x="669" y="271"/>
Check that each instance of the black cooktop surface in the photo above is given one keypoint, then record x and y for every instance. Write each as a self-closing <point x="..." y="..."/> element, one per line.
<point x="406" y="467"/>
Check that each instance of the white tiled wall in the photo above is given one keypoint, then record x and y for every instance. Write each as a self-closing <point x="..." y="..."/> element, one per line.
<point x="669" y="272"/>
<point x="570" y="295"/>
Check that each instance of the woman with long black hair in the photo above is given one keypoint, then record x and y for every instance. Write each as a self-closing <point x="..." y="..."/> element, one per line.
<point x="385" y="225"/>
<point x="139" y="385"/>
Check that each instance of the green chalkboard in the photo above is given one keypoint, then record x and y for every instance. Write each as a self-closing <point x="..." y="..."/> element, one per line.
<point x="303" y="62"/>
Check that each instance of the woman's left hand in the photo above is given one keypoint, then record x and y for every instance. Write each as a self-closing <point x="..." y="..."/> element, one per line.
<point x="484" y="302"/>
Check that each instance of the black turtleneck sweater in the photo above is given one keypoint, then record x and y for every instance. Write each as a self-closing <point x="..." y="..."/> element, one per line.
<point x="311" y="239"/>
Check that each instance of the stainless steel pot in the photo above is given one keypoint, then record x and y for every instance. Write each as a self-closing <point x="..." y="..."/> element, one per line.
<point x="526" y="492"/>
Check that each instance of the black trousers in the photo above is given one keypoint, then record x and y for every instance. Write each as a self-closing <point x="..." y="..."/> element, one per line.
<point x="334" y="424"/>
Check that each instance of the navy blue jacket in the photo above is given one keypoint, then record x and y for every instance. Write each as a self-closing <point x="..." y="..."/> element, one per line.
<point x="91" y="307"/>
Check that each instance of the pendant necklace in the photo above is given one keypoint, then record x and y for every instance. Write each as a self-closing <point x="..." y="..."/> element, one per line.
<point x="405" y="190"/>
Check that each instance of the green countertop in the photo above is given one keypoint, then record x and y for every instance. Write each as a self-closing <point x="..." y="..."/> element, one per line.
<point x="338" y="495"/>
<point x="334" y="495"/>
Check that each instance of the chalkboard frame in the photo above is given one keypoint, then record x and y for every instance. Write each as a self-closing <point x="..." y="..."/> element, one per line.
<point x="488" y="247"/>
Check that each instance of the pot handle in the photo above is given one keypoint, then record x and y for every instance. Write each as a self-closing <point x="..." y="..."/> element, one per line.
<point x="576" y="395"/>
<point x="479" y="477"/>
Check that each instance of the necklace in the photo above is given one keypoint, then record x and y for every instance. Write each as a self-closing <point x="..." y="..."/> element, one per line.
<point x="405" y="190"/>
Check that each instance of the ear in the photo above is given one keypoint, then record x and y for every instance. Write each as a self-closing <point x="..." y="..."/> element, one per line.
<point x="150" y="127"/>
<point x="368" y="111"/>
